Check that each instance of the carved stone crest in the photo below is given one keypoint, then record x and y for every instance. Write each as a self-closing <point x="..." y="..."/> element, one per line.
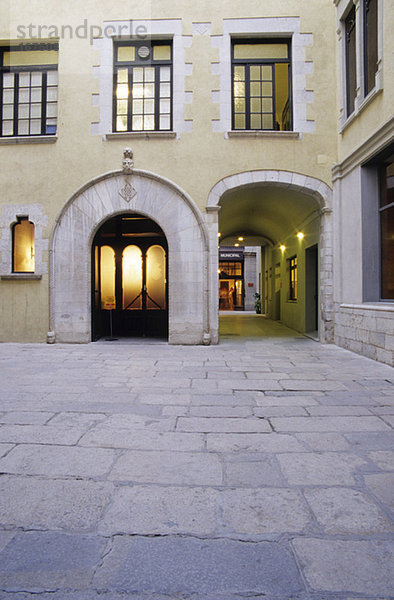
<point x="128" y="163"/>
<point x="127" y="192"/>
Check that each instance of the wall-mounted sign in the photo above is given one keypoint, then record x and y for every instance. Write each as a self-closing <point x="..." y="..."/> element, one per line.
<point x="228" y="253"/>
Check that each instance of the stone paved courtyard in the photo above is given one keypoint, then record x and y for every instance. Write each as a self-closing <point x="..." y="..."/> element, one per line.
<point x="260" y="468"/>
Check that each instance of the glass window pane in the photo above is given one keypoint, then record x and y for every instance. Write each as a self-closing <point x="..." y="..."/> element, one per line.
<point x="371" y="43"/>
<point x="239" y="104"/>
<point x="122" y="107"/>
<point x="239" y="121"/>
<point x="51" y="126"/>
<point x="282" y="96"/>
<point x="8" y="128"/>
<point x="107" y="277"/>
<point x="23" y="111"/>
<point x="165" y="90"/>
<point x="268" y="122"/>
<point x="122" y="91"/>
<point x="255" y="89"/>
<point x="138" y="90"/>
<point x="52" y="78"/>
<point x="165" y="74"/>
<point x="156" y="278"/>
<point x="138" y="106"/>
<point x="137" y="123"/>
<point x="24" y="95"/>
<point x="149" y="90"/>
<point x="24" y="247"/>
<point x="239" y="88"/>
<point x="149" y="123"/>
<point x="255" y="121"/>
<point x="266" y="73"/>
<point x="149" y="74"/>
<point x="267" y="104"/>
<point x="255" y="105"/>
<point x="52" y="94"/>
<point x="149" y="107"/>
<point x="24" y="80"/>
<point x="266" y="89"/>
<point x="8" y="80"/>
<point x="25" y="58"/>
<point x="35" y="94"/>
<point x="121" y="123"/>
<point x="132" y="278"/>
<point x="36" y="79"/>
<point x="255" y="73"/>
<point x="35" y="126"/>
<point x="23" y="127"/>
<point x="8" y="111"/>
<point x="165" y="122"/>
<point x="162" y="52"/>
<point x="239" y="73"/>
<point x="138" y="74"/>
<point x="387" y="184"/>
<point x="248" y="51"/>
<point x="123" y="75"/>
<point x="51" y="110"/>
<point x="165" y="106"/>
<point x="8" y="96"/>
<point x="126" y="53"/>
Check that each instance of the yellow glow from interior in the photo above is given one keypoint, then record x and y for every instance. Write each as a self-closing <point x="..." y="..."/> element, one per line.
<point x="24" y="247"/>
<point x="282" y="247"/>
<point x="240" y="239"/>
<point x="236" y="245"/>
<point x="300" y="235"/>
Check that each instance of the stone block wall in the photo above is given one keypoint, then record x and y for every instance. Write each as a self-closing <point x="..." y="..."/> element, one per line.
<point x="366" y="329"/>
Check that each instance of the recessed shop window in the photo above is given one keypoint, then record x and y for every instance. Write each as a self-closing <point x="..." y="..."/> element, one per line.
<point x="142" y="86"/>
<point x="28" y="90"/>
<point x="387" y="230"/>
<point x="261" y="85"/>
<point x="23" y="260"/>
<point x="293" y="278"/>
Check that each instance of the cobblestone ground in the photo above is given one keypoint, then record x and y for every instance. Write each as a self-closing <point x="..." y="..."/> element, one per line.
<point x="260" y="468"/>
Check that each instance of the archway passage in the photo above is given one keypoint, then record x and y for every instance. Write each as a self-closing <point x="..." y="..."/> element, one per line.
<point x="129" y="278"/>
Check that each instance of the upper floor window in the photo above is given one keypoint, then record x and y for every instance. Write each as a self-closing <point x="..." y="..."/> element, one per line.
<point x="261" y="77"/>
<point x="142" y="86"/>
<point x="351" y="72"/>
<point x="28" y="89"/>
<point x="293" y="281"/>
<point x="23" y="246"/>
<point x="370" y="44"/>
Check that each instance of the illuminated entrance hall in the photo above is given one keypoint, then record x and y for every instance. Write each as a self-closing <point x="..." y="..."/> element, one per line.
<point x="129" y="297"/>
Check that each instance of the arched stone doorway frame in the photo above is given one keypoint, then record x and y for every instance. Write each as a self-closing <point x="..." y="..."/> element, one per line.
<point x="311" y="186"/>
<point x="188" y="246"/>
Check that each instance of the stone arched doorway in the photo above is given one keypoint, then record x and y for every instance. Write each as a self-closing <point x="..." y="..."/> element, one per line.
<point x="272" y="197"/>
<point x="116" y="193"/>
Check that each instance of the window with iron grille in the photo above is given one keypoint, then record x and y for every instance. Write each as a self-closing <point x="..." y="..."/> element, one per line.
<point x="28" y="89"/>
<point x="142" y="86"/>
<point x="261" y="76"/>
<point x="293" y="278"/>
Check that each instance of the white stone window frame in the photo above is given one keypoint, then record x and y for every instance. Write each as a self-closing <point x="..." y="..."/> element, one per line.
<point x="10" y="213"/>
<point x="260" y="28"/>
<point x="158" y="29"/>
<point x="361" y="101"/>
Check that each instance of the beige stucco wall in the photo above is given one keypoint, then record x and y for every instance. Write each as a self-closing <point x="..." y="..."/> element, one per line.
<point x="199" y="156"/>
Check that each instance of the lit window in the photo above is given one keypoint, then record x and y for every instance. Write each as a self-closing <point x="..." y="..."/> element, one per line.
<point x="143" y="86"/>
<point x="23" y="246"/>
<point x="261" y="85"/>
<point x="387" y="230"/>
<point x="28" y="90"/>
<point x="293" y="278"/>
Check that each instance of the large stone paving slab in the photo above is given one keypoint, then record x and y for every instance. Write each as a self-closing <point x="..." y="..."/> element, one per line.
<point x="172" y="565"/>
